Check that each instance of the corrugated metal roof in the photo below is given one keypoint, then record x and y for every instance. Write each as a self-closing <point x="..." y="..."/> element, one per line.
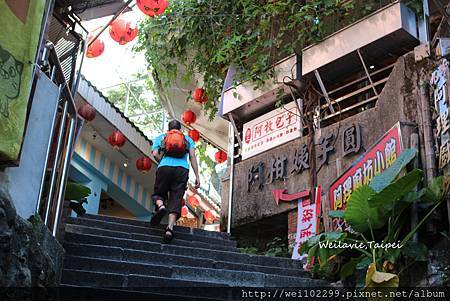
<point x="105" y="107"/>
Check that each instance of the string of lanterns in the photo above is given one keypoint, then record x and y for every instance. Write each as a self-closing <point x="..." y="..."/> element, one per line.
<point x="194" y="203"/>
<point x="124" y="31"/>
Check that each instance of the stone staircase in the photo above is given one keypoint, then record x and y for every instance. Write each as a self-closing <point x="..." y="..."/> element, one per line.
<point x="121" y="256"/>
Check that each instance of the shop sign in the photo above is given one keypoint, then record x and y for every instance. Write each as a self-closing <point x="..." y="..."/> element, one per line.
<point x="282" y="167"/>
<point x="270" y="130"/>
<point x="20" y="23"/>
<point x="307" y="221"/>
<point x="440" y="99"/>
<point x="378" y="158"/>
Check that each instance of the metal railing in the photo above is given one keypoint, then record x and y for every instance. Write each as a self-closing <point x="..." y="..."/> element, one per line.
<point x="59" y="151"/>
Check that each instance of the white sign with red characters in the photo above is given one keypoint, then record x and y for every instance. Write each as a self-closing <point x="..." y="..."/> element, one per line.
<point x="270" y="130"/>
<point x="307" y="222"/>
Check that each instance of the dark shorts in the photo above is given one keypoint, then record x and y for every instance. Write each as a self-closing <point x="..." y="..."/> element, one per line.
<point x="170" y="186"/>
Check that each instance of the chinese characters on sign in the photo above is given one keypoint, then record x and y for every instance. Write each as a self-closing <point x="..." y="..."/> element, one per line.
<point x="440" y="98"/>
<point x="379" y="157"/>
<point x="271" y="130"/>
<point x="256" y="173"/>
<point x="307" y="221"/>
<point x="351" y="140"/>
<point x="277" y="169"/>
<point x="301" y="159"/>
<point x="279" y="166"/>
<point x="326" y="146"/>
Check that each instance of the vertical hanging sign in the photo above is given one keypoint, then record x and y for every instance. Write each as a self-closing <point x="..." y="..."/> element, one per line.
<point x="20" y="23"/>
<point x="307" y="222"/>
<point x="440" y="100"/>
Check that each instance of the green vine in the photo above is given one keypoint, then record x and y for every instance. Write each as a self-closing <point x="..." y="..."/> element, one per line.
<point x="201" y="38"/>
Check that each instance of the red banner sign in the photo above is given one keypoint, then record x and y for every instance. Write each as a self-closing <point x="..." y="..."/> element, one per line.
<point x="378" y="158"/>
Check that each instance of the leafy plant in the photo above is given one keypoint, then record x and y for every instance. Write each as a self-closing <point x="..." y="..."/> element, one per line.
<point x="381" y="206"/>
<point x="77" y="195"/>
<point x="277" y="248"/>
<point x="197" y="40"/>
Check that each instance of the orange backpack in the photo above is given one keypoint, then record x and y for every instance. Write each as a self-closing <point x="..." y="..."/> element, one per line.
<point x="174" y="144"/>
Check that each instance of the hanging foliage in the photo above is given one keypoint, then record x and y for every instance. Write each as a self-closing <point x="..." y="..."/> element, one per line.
<point x="206" y="37"/>
<point x="123" y="31"/>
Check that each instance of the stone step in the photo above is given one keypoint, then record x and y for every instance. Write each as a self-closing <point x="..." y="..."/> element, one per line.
<point x="142" y="283"/>
<point x="77" y="293"/>
<point x="154" y="269"/>
<point x="183" y="275"/>
<point x="169" y="249"/>
<point x="147" y="230"/>
<point x="76" y="238"/>
<point x="72" y="232"/>
<point x="121" y="254"/>
<point x="187" y="230"/>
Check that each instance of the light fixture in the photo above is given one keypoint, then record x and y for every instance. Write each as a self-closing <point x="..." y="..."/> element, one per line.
<point x="125" y="164"/>
<point x="372" y="67"/>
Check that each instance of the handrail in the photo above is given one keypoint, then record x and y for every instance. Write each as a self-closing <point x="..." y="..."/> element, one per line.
<point x="64" y="144"/>
<point x="54" y="59"/>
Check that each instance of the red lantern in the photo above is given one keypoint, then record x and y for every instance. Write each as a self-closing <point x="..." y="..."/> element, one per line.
<point x="221" y="156"/>
<point x="189" y="117"/>
<point x="184" y="211"/>
<point x="209" y="216"/>
<point x="117" y="139"/>
<point x="200" y="96"/>
<point x="87" y="112"/>
<point x="193" y="201"/>
<point x="194" y="134"/>
<point x="144" y="164"/>
<point x="152" y="7"/>
<point x="123" y="31"/>
<point x="96" y="48"/>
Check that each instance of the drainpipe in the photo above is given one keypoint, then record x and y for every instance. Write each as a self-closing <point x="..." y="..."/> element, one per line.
<point x="430" y="160"/>
<point x="230" y="197"/>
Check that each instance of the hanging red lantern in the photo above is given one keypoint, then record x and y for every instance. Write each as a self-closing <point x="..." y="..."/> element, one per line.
<point x="184" y="211"/>
<point x="221" y="156"/>
<point x="87" y="112"/>
<point x="144" y="164"/>
<point x="193" y="201"/>
<point x="209" y="216"/>
<point x="117" y="139"/>
<point x="194" y="134"/>
<point x="123" y="31"/>
<point x="96" y="48"/>
<point x="189" y="117"/>
<point x="199" y="95"/>
<point x="152" y="7"/>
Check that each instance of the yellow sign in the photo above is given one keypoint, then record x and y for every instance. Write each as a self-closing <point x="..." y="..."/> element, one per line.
<point x="20" y="23"/>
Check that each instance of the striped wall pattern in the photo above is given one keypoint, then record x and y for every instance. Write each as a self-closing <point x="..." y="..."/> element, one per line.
<point x="113" y="172"/>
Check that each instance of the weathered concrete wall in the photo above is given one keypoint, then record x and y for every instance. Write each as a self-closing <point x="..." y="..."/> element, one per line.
<point x="397" y="102"/>
<point x="29" y="255"/>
